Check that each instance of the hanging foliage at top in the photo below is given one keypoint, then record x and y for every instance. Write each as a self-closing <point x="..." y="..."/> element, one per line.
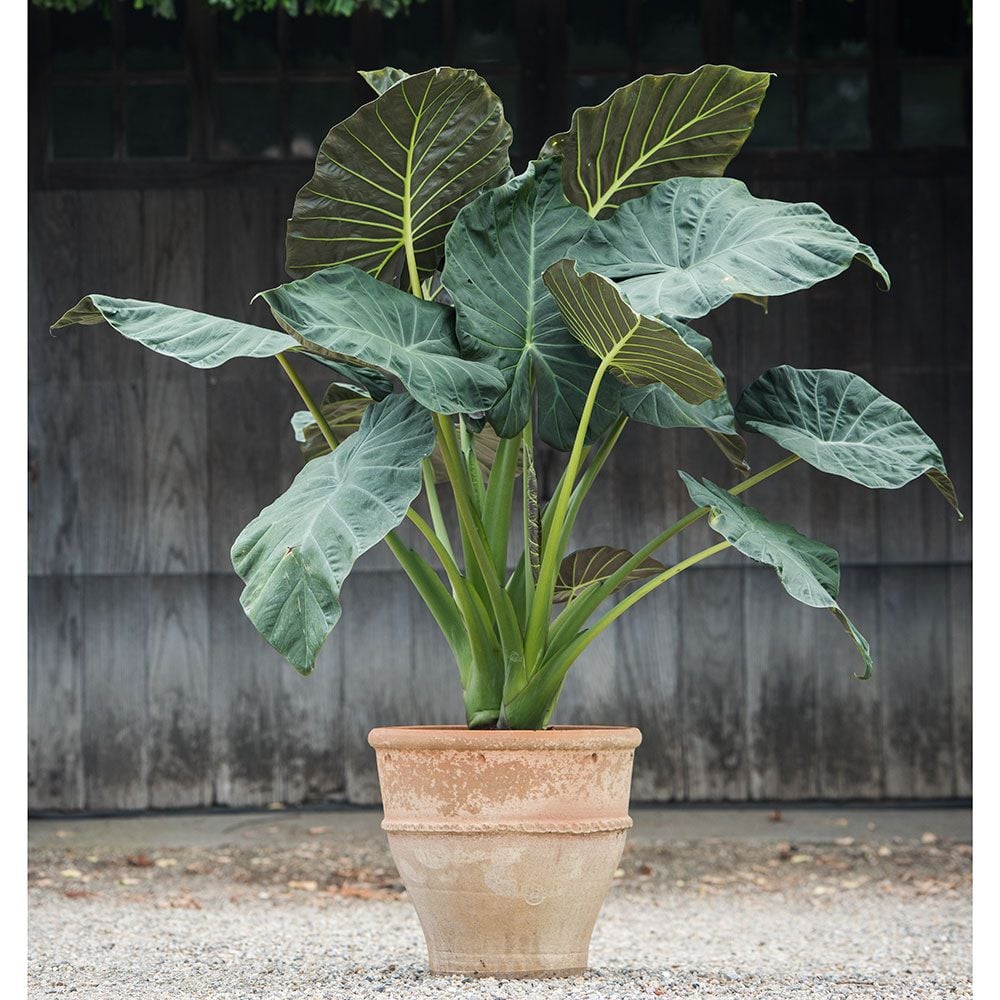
<point x="168" y="8"/>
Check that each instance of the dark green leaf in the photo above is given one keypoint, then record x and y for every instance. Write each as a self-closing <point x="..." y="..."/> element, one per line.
<point x="390" y="179"/>
<point x="381" y="80"/>
<point x="583" y="569"/>
<point x="655" y="128"/>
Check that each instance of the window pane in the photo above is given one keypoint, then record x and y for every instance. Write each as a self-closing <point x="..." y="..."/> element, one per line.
<point x="247" y="121"/>
<point x="933" y="29"/>
<point x="249" y="45"/>
<point x="315" y="109"/>
<point x="154" y="43"/>
<point x="320" y="44"/>
<point x="485" y="37"/>
<point x="762" y="30"/>
<point x="835" y="28"/>
<point x="414" y="41"/>
<point x="670" y="35"/>
<point x="932" y="106"/>
<point x="776" y="120"/>
<point x="82" y="121"/>
<point x="838" y="110"/>
<point x="596" y="36"/>
<point x="80" y="41"/>
<point x="157" y="120"/>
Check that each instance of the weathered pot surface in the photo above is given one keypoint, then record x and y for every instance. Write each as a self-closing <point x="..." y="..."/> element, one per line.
<point x="506" y="840"/>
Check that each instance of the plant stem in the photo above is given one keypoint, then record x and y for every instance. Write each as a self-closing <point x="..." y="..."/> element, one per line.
<point x="437" y="518"/>
<point x="306" y="397"/>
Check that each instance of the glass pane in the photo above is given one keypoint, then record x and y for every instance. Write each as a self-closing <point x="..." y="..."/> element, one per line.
<point x="80" y="41"/>
<point x="157" y="120"/>
<point x="669" y="35"/>
<point x="315" y="109"/>
<point x="320" y="44"/>
<point x="776" y="120"/>
<point x="596" y="36"/>
<point x="835" y="28"/>
<point x="932" y="106"/>
<point x="762" y="30"/>
<point x="414" y="40"/>
<point x="485" y="37"/>
<point x="249" y="45"/>
<point x="838" y="110"/>
<point x="83" y="121"/>
<point x="154" y="43"/>
<point x="933" y="29"/>
<point x="247" y="122"/>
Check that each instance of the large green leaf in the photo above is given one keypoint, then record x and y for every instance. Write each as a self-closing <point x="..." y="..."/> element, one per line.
<point x="583" y="569"/>
<point x="655" y="128"/>
<point x="495" y="255"/>
<point x="693" y="243"/>
<point x="198" y="339"/>
<point x="295" y="555"/>
<point x="808" y="570"/>
<point x="347" y="315"/>
<point x="639" y="350"/>
<point x="840" y="424"/>
<point x="373" y="382"/>
<point x="390" y="179"/>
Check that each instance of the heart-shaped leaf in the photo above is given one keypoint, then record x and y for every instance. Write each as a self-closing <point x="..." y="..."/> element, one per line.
<point x="808" y="570"/>
<point x="198" y="339"/>
<point x="371" y="381"/>
<point x="586" y="567"/>
<point x="346" y="315"/>
<point x="638" y="349"/>
<point x="495" y="255"/>
<point x="390" y="179"/>
<point x="839" y="423"/>
<point x="655" y="128"/>
<point x="693" y="243"/>
<point x="295" y="555"/>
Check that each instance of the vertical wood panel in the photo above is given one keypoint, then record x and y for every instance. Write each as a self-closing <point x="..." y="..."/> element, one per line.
<point x="960" y="615"/>
<point x="916" y="681"/>
<point x="245" y="722"/>
<point x="178" y="736"/>
<point x="781" y="663"/>
<point x="55" y="709"/>
<point x="713" y="687"/>
<point x="850" y="710"/>
<point x="115" y="691"/>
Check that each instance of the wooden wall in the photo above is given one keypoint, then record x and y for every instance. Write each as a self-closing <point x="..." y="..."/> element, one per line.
<point x="148" y="687"/>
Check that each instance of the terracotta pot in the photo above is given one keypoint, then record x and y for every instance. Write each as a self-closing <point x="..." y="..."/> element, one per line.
<point x="506" y="840"/>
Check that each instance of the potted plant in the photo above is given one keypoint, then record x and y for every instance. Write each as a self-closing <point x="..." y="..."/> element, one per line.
<point x="466" y="315"/>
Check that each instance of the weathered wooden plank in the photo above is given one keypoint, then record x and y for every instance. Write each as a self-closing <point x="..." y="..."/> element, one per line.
<point x="243" y="686"/>
<point x="116" y="691"/>
<point x="956" y="258"/>
<point x="850" y="710"/>
<point x="957" y="451"/>
<point x="646" y="692"/>
<point x="54" y="284"/>
<point x="377" y="641"/>
<point x="113" y="485"/>
<point x="960" y="613"/>
<point x="54" y="517"/>
<point x="916" y="681"/>
<point x="55" y="709"/>
<point x="110" y="263"/>
<point x="781" y="663"/>
<point x="713" y="687"/>
<point x="178" y="737"/>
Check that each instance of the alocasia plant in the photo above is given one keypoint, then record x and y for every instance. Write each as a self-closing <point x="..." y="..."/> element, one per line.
<point x="467" y="313"/>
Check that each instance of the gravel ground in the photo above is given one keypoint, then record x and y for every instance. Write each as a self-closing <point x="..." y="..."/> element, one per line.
<point x="323" y="918"/>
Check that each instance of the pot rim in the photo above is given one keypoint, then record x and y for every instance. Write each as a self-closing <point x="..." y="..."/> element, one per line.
<point x="463" y="738"/>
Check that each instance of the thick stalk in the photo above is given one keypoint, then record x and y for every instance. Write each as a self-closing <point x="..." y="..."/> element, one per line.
<point x="530" y="538"/>
<point x="535" y="704"/>
<point x="499" y="500"/>
<point x="434" y="504"/>
<point x="541" y="606"/>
